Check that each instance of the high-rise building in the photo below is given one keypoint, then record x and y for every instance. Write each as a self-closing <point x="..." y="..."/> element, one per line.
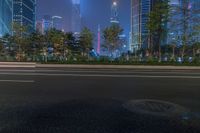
<point x="194" y="6"/>
<point x="114" y="12"/>
<point x="5" y="17"/>
<point x="174" y="32"/>
<point x="24" y="13"/>
<point x="40" y="27"/>
<point x="76" y="16"/>
<point x="184" y="16"/>
<point x="57" y="23"/>
<point x="140" y="10"/>
<point x="47" y="23"/>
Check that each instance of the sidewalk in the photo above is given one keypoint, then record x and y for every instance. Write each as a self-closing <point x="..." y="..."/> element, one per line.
<point x="33" y="65"/>
<point x="119" y="67"/>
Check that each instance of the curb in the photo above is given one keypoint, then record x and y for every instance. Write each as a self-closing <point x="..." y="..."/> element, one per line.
<point x="33" y="65"/>
<point x="119" y="67"/>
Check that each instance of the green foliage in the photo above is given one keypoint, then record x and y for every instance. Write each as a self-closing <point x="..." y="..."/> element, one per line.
<point x="157" y="24"/>
<point x="1" y="45"/>
<point x="86" y="39"/>
<point x="111" y="37"/>
<point x="158" y="19"/>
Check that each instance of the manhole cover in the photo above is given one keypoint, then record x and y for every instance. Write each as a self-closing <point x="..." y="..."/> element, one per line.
<point x="155" y="107"/>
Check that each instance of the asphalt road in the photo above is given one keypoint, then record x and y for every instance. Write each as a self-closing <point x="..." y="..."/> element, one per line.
<point x="67" y="100"/>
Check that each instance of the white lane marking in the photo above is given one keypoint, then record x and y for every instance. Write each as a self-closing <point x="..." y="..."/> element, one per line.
<point x="18" y="81"/>
<point x="102" y="75"/>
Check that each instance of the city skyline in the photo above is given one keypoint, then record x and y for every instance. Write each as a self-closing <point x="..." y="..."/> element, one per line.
<point x="93" y="13"/>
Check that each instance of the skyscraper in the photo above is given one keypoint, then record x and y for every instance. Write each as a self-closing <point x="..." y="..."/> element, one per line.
<point x="140" y="10"/>
<point x="57" y="23"/>
<point x="194" y="6"/>
<point x="76" y="16"/>
<point x="40" y="27"/>
<point x="24" y="13"/>
<point x="184" y="17"/>
<point x="114" y="12"/>
<point x="5" y="17"/>
<point x="47" y="22"/>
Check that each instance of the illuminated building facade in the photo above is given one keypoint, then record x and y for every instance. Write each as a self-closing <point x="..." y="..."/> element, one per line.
<point x="24" y="13"/>
<point x="6" y="10"/>
<point x="47" y="23"/>
<point x="140" y="10"/>
<point x="57" y="23"/>
<point x="114" y="12"/>
<point x="76" y="16"/>
<point x="187" y="11"/>
<point x="40" y="27"/>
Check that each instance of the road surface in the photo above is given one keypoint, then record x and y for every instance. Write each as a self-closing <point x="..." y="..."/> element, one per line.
<point x="76" y="100"/>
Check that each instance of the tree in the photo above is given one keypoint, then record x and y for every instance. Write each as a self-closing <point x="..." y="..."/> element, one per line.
<point x="196" y="39"/>
<point x="20" y="39"/>
<point x="1" y="45"/>
<point x="181" y="23"/>
<point x="195" y="48"/>
<point x="111" y="37"/>
<point x="86" y="40"/>
<point x="37" y="43"/>
<point x="157" y="22"/>
<point x="56" y="39"/>
<point x="71" y="43"/>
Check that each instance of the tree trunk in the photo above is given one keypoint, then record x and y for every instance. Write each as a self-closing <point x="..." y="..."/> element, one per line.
<point x="183" y="52"/>
<point x="160" y="53"/>
<point x="194" y="53"/>
<point x="173" y="55"/>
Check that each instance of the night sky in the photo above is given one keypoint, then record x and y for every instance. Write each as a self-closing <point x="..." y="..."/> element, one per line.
<point x="94" y="12"/>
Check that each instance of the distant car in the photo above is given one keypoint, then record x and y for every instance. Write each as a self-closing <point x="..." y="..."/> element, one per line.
<point x="165" y="59"/>
<point x="190" y="59"/>
<point x="179" y="60"/>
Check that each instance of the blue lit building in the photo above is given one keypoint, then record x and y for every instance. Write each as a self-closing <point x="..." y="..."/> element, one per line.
<point x="140" y="10"/>
<point x="57" y="23"/>
<point x="191" y="17"/>
<point x="47" y="23"/>
<point x="195" y="18"/>
<point x="5" y="17"/>
<point x="24" y="13"/>
<point x="114" y="13"/>
<point x="76" y="16"/>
